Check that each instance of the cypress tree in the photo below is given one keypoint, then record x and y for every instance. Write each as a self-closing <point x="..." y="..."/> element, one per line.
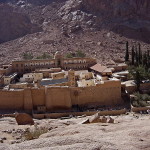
<point x="148" y="58"/>
<point x="136" y="56"/>
<point x="139" y="59"/>
<point x="127" y="52"/>
<point x="145" y="59"/>
<point x="133" y="55"/>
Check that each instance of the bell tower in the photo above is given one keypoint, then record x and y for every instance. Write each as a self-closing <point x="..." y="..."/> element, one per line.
<point x="71" y="78"/>
<point x="58" y="59"/>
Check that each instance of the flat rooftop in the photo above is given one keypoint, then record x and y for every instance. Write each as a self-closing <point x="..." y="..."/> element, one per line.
<point x="45" y="82"/>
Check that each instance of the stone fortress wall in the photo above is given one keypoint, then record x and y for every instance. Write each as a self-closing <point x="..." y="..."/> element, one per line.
<point x="63" y="97"/>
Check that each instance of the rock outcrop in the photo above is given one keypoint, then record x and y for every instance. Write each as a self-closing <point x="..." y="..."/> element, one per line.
<point x="129" y="18"/>
<point x="14" y="24"/>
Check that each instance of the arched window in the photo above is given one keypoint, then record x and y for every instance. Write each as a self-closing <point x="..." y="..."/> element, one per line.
<point x="84" y="61"/>
<point x="41" y="63"/>
<point x="65" y="62"/>
<point x="46" y="63"/>
<point x="80" y="61"/>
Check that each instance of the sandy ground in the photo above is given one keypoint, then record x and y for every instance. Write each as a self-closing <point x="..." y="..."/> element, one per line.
<point x="129" y="132"/>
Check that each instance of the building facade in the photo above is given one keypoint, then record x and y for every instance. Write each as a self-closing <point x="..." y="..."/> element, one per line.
<point x="58" y="61"/>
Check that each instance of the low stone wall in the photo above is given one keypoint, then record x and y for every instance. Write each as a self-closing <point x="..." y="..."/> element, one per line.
<point x="138" y="109"/>
<point x="145" y="86"/>
<point x="59" y="115"/>
<point x="130" y="89"/>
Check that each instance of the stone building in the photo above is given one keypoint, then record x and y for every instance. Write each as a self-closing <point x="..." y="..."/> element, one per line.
<point x="101" y="70"/>
<point x="6" y="70"/>
<point x="58" y="61"/>
<point x="9" y="79"/>
<point x="30" y="77"/>
<point x="86" y="83"/>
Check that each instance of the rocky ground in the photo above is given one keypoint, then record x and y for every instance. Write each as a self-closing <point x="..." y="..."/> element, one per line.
<point x="129" y="132"/>
<point x="97" y="28"/>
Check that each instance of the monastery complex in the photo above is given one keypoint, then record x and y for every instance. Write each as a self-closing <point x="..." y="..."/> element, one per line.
<point x="60" y="84"/>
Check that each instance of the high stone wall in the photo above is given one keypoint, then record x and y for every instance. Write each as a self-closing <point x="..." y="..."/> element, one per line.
<point x="28" y="105"/>
<point x="103" y="94"/>
<point x="58" y="97"/>
<point x="38" y="97"/>
<point x="12" y="100"/>
<point x="62" y="97"/>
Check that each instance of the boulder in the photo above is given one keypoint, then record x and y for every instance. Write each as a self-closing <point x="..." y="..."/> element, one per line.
<point x="95" y="118"/>
<point x="85" y="121"/>
<point x="104" y="119"/>
<point x="111" y="120"/>
<point x="24" y="119"/>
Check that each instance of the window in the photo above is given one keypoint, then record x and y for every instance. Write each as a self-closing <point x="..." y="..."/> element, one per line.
<point x="65" y="62"/>
<point x="80" y="61"/>
<point x="84" y="61"/>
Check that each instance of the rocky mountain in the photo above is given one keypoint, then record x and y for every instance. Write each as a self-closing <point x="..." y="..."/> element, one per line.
<point x="98" y="27"/>
<point x="14" y="24"/>
<point x="130" y="18"/>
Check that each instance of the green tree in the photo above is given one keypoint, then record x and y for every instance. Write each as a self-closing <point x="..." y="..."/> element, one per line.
<point x="144" y="60"/>
<point x="27" y="55"/>
<point x="139" y="74"/>
<point x="44" y="56"/>
<point x="127" y="52"/>
<point x="133" y="55"/>
<point x="148" y="59"/>
<point x="69" y="55"/>
<point x="136" y="56"/>
<point x="80" y="54"/>
<point x="139" y="54"/>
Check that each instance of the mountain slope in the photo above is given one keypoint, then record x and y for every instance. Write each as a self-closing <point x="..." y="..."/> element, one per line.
<point x="99" y="28"/>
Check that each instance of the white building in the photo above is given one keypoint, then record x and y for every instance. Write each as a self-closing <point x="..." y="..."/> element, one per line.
<point x="30" y="77"/>
<point x="86" y="83"/>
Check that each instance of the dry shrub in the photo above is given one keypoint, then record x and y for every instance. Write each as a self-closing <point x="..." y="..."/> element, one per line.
<point x="34" y="134"/>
